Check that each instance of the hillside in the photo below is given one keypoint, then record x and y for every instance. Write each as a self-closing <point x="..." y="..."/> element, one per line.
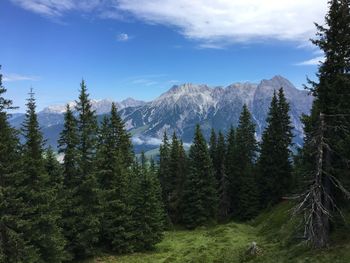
<point x="229" y="242"/>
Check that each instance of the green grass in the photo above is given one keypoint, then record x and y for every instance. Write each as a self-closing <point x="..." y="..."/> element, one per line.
<point x="273" y="232"/>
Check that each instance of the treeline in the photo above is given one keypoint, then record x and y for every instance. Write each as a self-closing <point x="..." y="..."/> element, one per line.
<point x="100" y="199"/>
<point x="231" y="177"/>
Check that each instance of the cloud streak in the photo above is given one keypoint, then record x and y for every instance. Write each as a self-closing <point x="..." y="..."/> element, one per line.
<point x="312" y="62"/>
<point x="12" y="77"/>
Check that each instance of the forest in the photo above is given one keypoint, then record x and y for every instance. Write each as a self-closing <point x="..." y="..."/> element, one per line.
<point x="103" y="198"/>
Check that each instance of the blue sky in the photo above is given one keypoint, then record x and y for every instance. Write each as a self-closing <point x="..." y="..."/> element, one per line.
<point x="140" y="48"/>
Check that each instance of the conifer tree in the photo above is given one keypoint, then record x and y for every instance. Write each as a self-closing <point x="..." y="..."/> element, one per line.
<point x="112" y="176"/>
<point x="213" y="141"/>
<point x="54" y="170"/>
<point x="123" y="140"/>
<point x="232" y="172"/>
<point x="86" y="196"/>
<point x="164" y="171"/>
<point x="274" y="164"/>
<point x="200" y="193"/>
<point x="67" y="145"/>
<point x="14" y="246"/>
<point x="148" y="212"/>
<point x="246" y="147"/>
<point x="177" y="170"/>
<point x="327" y="139"/>
<point x="42" y="213"/>
<point x="222" y="179"/>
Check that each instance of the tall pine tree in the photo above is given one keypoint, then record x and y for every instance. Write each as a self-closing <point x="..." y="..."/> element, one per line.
<point x="67" y="145"/>
<point x="175" y="180"/>
<point x="327" y="140"/>
<point x="14" y="246"/>
<point x="200" y="190"/>
<point x="246" y="147"/>
<point x="86" y="196"/>
<point x="42" y="213"/>
<point x="148" y="210"/>
<point x="112" y="176"/>
<point x="274" y="164"/>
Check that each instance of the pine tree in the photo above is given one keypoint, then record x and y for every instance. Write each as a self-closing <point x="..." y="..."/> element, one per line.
<point x="200" y="193"/>
<point x="54" y="170"/>
<point x="175" y="180"/>
<point x="213" y="141"/>
<point x="164" y="172"/>
<point x="246" y="147"/>
<point x="327" y="140"/>
<point x="42" y="213"/>
<point x="123" y="141"/>
<point x="275" y="168"/>
<point x="148" y="212"/>
<point x="112" y="176"/>
<point x="14" y="246"/>
<point x="232" y="172"/>
<point x="86" y="196"/>
<point x="67" y="145"/>
<point x="222" y="179"/>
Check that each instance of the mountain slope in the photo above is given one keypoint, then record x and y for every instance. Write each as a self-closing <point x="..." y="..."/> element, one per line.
<point x="183" y="106"/>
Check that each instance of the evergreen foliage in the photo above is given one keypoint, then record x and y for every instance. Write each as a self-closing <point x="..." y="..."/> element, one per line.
<point x="246" y="148"/>
<point x="200" y="190"/>
<point x="164" y="173"/>
<point x="113" y="182"/>
<point x="175" y="180"/>
<point x="42" y="214"/>
<point x="274" y="164"/>
<point x="14" y="245"/>
<point x="325" y="153"/>
<point x="148" y="210"/>
<point x="67" y="144"/>
<point x="85" y="221"/>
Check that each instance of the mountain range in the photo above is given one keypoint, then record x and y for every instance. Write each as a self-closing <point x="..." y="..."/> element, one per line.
<point x="183" y="106"/>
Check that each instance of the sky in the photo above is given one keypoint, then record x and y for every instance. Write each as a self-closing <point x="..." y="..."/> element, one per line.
<point x="140" y="48"/>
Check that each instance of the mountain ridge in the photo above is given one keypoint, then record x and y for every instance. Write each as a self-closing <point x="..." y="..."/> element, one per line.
<point x="181" y="107"/>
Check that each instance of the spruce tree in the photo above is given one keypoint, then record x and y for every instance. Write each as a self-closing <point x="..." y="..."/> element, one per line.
<point x="86" y="196"/>
<point x="42" y="213"/>
<point x="222" y="179"/>
<point x="15" y="247"/>
<point x="164" y="172"/>
<point x="112" y="176"/>
<point x="200" y="193"/>
<point x="67" y="146"/>
<point x="327" y="140"/>
<point x="213" y="141"/>
<point x="274" y="164"/>
<point x="246" y="147"/>
<point x="148" y="210"/>
<point x="177" y="171"/>
<point x="232" y="171"/>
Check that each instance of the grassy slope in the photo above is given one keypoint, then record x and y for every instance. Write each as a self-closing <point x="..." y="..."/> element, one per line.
<point x="228" y="243"/>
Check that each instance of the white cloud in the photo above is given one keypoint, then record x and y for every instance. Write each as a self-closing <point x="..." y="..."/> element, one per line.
<point x="213" y="23"/>
<point x="146" y="140"/>
<point x="311" y="62"/>
<point x="123" y="37"/>
<point x="18" y="77"/>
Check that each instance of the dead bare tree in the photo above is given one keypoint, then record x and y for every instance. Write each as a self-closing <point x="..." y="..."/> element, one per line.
<point x="317" y="202"/>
